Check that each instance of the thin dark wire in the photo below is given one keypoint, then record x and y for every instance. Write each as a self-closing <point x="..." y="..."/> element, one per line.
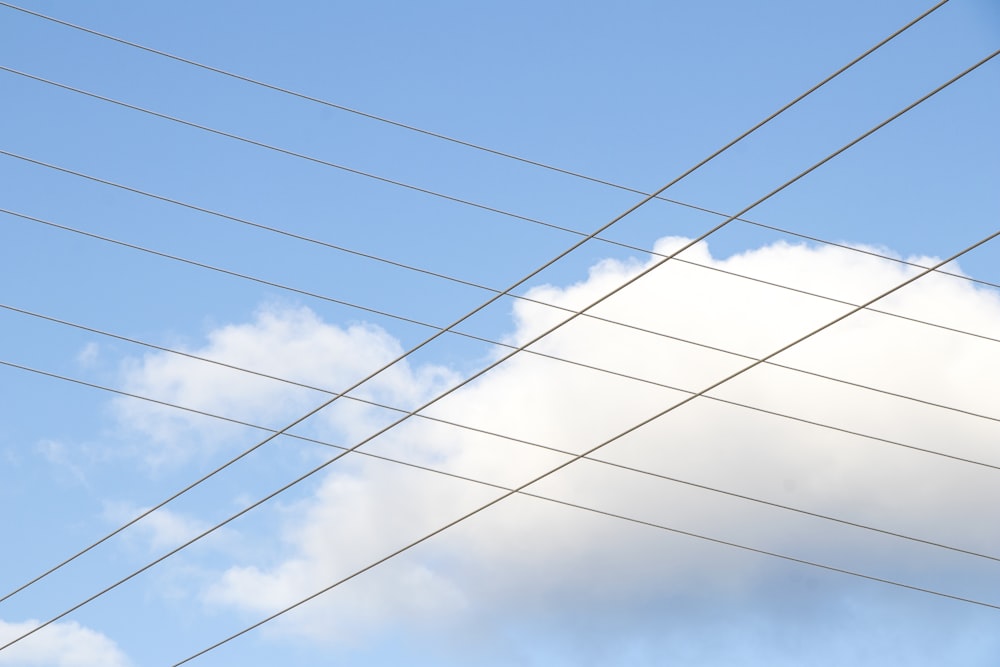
<point x="482" y="339"/>
<point x="557" y="450"/>
<point x="499" y="361"/>
<point x="469" y="283"/>
<point x="632" y="429"/>
<point x="458" y="200"/>
<point x="467" y="427"/>
<point x="663" y="412"/>
<point x="301" y="156"/>
<point x="512" y="156"/>
<point x="576" y="505"/>
<point x="651" y="524"/>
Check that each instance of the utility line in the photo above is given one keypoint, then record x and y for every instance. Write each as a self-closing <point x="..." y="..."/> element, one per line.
<point x="440" y="420"/>
<point x="626" y="376"/>
<point x="633" y="429"/>
<point x="469" y="283"/>
<point x="651" y="524"/>
<point x="511" y="156"/>
<point x="389" y="181"/>
<point x="467" y="427"/>
<point x="499" y="361"/>
<point x="620" y="466"/>
<point x="595" y="510"/>
<point x="482" y="339"/>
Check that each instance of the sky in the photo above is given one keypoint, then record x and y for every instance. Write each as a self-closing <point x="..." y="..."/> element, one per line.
<point x="147" y="264"/>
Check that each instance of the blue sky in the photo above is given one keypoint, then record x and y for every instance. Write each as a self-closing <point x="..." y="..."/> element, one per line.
<point x="632" y="94"/>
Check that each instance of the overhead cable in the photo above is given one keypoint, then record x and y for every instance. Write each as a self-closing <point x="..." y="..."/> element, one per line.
<point x="640" y="425"/>
<point x="409" y="186"/>
<point x="490" y="341"/>
<point x="502" y="359"/>
<point x="604" y="462"/>
<point x="469" y="283"/>
<point x="507" y="155"/>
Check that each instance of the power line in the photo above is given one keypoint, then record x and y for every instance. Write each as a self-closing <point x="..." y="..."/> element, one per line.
<point x="598" y="511"/>
<point x="469" y="283"/>
<point x="388" y="181"/>
<point x="714" y="540"/>
<point x="632" y="429"/>
<point x="490" y="341"/>
<point x="499" y="361"/>
<point x="446" y="422"/>
<point x="620" y="466"/>
<point x="512" y="156"/>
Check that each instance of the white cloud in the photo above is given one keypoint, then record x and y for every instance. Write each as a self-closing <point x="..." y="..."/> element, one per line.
<point x="293" y="344"/>
<point x="526" y="559"/>
<point x="88" y="354"/>
<point x="161" y="530"/>
<point x="59" y="645"/>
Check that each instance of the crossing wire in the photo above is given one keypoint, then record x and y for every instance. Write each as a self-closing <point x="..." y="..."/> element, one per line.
<point x="605" y="462"/>
<point x="633" y="429"/>
<point x="490" y="341"/>
<point x="469" y="283"/>
<point x="501" y="360"/>
<point x="390" y="181"/>
<point x="506" y="155"/>
<point x="422" y="416"/>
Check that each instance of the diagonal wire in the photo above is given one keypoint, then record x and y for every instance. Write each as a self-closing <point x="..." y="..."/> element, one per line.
<point x="494" y="434"/>
<point x="499" y="361"/>
<point x="483" y="339"/>
<point x="507" y="155"/>
<point x="595" y="510"/>
<point x="389" y="181"/>
<point x="440" y="420"/>
<point x="633" y="429"/>
<point x="469" y="283"/>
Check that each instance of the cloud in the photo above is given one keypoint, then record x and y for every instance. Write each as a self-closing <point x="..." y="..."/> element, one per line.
<point x="525" y="575"/>
<point x="291" y="343"/>
<point x="59" y="645"/>
<point x="88" y="355"/>
<point x="163" y="529"/>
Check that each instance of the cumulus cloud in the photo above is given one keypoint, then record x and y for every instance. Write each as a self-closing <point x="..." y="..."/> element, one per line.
<point x="291" y="343"/>
<point x="66" y="644"/>
<point x="527" y="564"/>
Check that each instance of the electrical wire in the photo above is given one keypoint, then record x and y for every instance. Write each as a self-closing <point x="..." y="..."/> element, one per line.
<point x="502" y="359"/>
<point x="633" y="429"/>
<point x="490" y="341"/>
<point x="626" y="376"/>
<point x="388" y="181"/>
<point x="470" y="283"/>
<point x="651" y="524"/>
<point x="511" y="156"/>
<point x="598" y="511"/>
<point x="605" y="462"/>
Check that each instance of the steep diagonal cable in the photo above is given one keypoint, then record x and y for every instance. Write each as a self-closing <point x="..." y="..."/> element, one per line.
<point x="606" y="513"/>
<point x="633" y="429"/>
<point x="485" y="149"/>
<point x="351" y="170"/>
<point x="455" y="424"/>
<point x="440" y="420"/>
<point x="469" y="283"/>
<point x="499" y="361"/>
<point x="490" y="341"/>
<point x="493" y="299"/>
<point x="512" y="156"/>
<point x="502" y="436"/>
